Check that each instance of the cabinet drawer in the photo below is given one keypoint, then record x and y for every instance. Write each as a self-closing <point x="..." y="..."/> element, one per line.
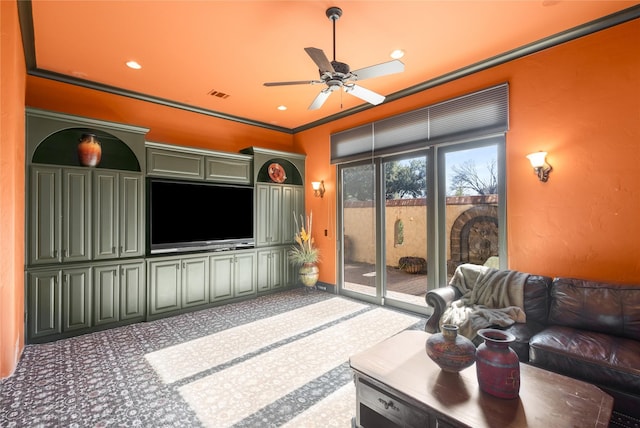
<point x="389" y="406"/>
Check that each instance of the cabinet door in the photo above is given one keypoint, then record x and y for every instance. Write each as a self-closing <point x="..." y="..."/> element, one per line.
<point x="44" y="303"/>
<point x="262" y="215"/>
<point x="269" y="270"/>
<point x="131" y="219"/>
<point x="76" y="299"/>
<point x="45" y="215"/>
<point x="276" y="275"/>
<point x="244" y="270"/>
<point x="264" y="266"/>
<point x="76" y="215"/>
<point x="106" y="294"/>
<point x="228" y="170"/>
<point x="195" y="281"/>
<point x="274" y="219"/>
<point x="292" y="204"/>
<point x="164" y="287"/>
<point x="221" y="276"/>
<point x="105" y="215"/>
<point x="169" y="163"/>
<point x="132" y="291"/>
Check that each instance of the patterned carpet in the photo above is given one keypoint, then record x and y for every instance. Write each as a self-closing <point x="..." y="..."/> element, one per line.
<point x="278" y="360"/>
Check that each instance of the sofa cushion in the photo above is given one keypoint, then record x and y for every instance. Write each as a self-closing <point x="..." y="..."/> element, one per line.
<point x="596" y="306"/>
<point x="536" y="298"/>
<point x="594" y="357"/>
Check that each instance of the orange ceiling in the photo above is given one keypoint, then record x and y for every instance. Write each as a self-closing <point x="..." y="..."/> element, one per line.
<point x="189" y="48"/>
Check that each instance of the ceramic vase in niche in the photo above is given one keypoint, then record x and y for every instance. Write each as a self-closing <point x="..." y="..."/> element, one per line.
<point x="309" y="274"/>
<point x="449" y="350"/>
<point x="89" y="150"/>
<point x="497" y="365"/>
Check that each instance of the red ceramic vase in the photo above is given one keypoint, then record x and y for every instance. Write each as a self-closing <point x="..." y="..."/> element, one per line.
<point x="497" y="364"/>
<point x="89" y="150"/>
<point x="449" y="350"/>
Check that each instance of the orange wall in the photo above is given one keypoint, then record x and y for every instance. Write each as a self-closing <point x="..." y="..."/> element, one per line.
<point x="12" y="85"/>
<point x="579" y="101"/>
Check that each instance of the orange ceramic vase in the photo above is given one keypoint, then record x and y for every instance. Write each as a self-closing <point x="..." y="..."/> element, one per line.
<point x="89" y="150"/>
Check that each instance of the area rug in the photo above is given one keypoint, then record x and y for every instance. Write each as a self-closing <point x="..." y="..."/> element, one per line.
<point x="227" y="397"/>
<point x="279" y="360"/>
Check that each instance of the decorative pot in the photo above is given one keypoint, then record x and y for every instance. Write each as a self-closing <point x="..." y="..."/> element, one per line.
<point x="89" y="150"/>
<point x="309" y="274"/>
<point x="450" y="351"/>
<point x="497" y="364"/>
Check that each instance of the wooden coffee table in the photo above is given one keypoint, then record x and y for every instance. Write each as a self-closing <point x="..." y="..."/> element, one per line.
<point x="397" y="384"/>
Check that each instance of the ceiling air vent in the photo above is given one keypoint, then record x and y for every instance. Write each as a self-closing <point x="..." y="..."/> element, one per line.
<point x="215" y="93"/>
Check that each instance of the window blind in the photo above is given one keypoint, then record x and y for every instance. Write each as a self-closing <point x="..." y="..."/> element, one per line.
<point x="479" y="113"/>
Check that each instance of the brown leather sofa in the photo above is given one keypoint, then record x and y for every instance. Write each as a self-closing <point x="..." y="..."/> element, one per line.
<point x="582" y="329"/>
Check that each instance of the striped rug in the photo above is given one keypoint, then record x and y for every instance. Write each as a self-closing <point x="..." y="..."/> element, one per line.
<point x="286" y="352"/>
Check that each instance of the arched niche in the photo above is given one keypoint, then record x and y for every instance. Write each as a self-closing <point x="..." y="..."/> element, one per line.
<point x="291" y="172"/>
<point x="61" y="148"/>
<point x="474" y="235"/>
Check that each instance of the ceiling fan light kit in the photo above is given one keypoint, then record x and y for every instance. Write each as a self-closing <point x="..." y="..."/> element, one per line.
<point x="336" y="75"/>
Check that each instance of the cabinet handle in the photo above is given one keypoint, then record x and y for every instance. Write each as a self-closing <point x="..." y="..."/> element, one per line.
<point x="113" y="250"/>
<point x="120" y="249"/>
<point x="388" y="405"/>
<point x="55" y="254"/>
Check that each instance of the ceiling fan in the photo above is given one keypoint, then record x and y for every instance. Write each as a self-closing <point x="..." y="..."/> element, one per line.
<point x="336" y="75"/>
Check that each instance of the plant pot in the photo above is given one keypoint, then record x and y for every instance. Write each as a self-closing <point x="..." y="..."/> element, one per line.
<point x="89" y="150"/>
<point x="450" y="351"/>
<point x="309" y="274"/>
<point x="497" y="365"/>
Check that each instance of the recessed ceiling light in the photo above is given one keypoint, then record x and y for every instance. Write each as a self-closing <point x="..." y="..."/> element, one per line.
<point x="397" y="54"/>
<point x="134" y="65"/>
<point x="282" y="108"/>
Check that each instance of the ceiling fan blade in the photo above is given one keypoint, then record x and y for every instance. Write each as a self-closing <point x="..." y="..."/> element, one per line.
<point x="320" y="99"/>
<point x="321" y="60"/>
<point x="383" y="69"/>
<point x="364" y="94"/>
<point x="295" y="82"/>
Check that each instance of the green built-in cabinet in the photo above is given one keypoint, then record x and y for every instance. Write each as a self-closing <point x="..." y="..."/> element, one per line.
<point x="85" y="230"/>
<point x="87" y="266"/>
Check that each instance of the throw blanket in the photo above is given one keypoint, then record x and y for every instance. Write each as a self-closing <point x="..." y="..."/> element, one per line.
<point x="489" y="297"/>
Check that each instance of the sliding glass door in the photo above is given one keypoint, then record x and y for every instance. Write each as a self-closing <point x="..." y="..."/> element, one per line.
<point x="358" y="216"/>
<point x="408" y="221"/>
<point x="405" y="227"/>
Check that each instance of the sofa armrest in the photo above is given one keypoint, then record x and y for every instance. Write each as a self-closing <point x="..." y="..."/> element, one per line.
<point x="439" y="299"/>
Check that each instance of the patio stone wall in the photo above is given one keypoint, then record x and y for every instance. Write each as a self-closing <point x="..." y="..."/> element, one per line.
<point x="471" y="224"/>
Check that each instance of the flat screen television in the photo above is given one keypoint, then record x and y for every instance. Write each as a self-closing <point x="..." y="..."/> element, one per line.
<point x="191" y="216"/>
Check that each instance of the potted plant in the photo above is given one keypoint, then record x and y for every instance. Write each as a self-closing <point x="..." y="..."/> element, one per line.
<point x="304" y="254"/>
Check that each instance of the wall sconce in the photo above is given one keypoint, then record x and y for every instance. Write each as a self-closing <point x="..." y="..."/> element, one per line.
<point x="318" y="188"/>
<point x="540" y="165"/>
